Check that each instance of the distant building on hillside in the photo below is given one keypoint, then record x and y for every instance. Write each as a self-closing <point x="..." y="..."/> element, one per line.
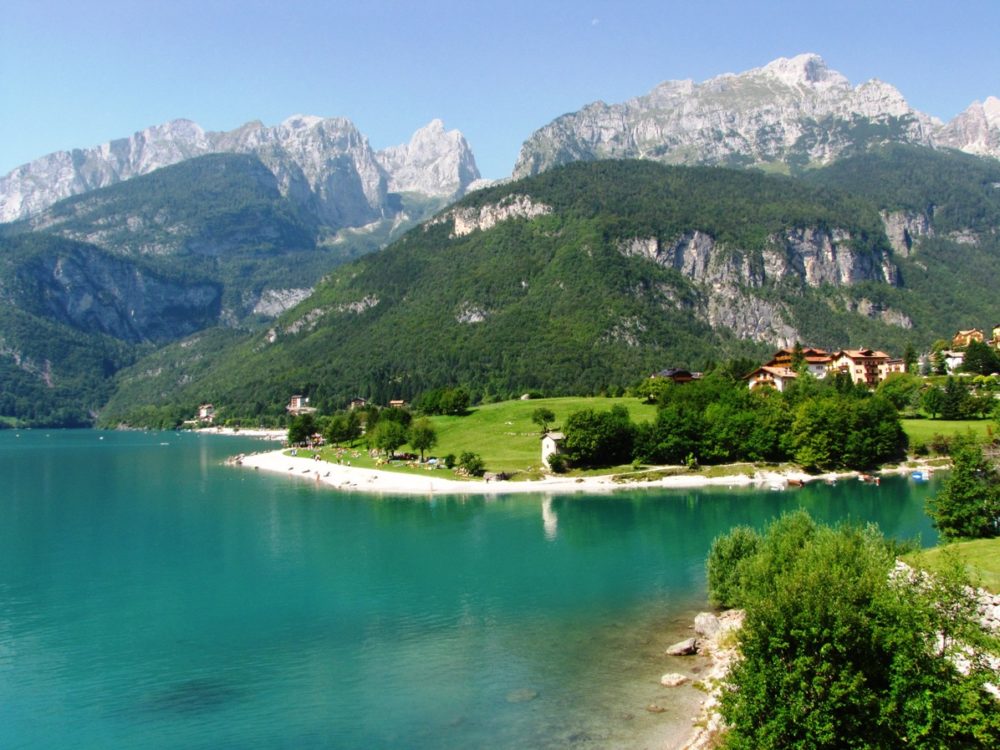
<point x="677" y="375"/>
<point x="299" y="405"/>
<point x="995" y="341"/>
<point x="963" y="338"/>
<point x="358" y="403"/>
<point x="206" y="413"/>
<point x="397" y="403"/>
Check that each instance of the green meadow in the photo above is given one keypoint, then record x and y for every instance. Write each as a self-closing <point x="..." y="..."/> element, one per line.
<point x="503" y="433"/>
<point x="920" y="431"/>
<point x="980" y="558"/>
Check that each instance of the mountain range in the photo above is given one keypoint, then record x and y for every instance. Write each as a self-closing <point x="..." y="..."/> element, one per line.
<point x="792" y="114"/>
<point x="150" y="270"/>
<point x="323" y="163"/>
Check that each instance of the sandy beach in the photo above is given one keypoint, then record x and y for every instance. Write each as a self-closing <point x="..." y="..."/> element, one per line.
<point x="354" y="479"/>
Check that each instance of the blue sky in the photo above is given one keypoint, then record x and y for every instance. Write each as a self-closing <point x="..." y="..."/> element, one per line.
<point x="75" y="74"/>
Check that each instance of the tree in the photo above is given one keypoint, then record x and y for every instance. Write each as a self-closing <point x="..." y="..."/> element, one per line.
<point x="939" y="366"/>
<point x="454" y="401"/>
<point x="910" y="359"/>
<point x="422" y="436"/>
<point x="388" y="435"/>
<point x="301" y="428"/>
<point x="798" y="358"/>
<point x="599" y="438"/>
<point x="955" y="400"/>
<point x="838" y="652"/>
<point x="981" y="359"/>
<point x="968" y="505"/>
<point x="933" y="401"/>
<point x="543" y="417"/>
<point x="900" y="388"/>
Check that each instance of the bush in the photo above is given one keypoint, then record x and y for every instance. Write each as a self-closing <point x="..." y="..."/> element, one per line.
<point x="472" y="463"/>
<point x="724" y="560"/>
<point x="557" y="462"/>
<point x="836" y="652"/>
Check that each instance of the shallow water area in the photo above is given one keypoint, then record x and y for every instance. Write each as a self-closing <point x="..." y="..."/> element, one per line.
<point x="151" y="596"/>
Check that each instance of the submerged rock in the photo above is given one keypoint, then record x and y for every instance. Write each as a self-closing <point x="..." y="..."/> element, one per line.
<point x="522" y="695"/>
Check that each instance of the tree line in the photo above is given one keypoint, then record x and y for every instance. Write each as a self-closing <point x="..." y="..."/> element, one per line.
<point x="819" y="424"/>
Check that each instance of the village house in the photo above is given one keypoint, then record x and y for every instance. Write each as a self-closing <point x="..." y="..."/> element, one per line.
<point x="551" y="444"/>
<point x="299" y="405"/>
<point x="963" y="338"/>
<point x="397" y="403"/>
<point x="769" y="376"/>
<point x="358" y="403"/>
<point x="676" y="374"/>
<point x="817" y="361"/>
<point x="206" y="413"/>
<point x="867" y="366"/>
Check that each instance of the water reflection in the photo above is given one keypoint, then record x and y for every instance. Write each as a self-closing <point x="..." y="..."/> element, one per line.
<point x="550" y="519"/>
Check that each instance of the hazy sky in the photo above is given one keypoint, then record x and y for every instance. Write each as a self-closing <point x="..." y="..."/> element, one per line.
<point x="75" y="73"/>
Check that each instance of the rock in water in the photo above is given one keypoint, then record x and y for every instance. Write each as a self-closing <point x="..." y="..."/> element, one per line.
<point x="683" y="648"/>
<point x="672" y="679"/>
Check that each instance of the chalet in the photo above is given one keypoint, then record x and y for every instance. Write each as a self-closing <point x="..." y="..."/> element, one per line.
<point x="551" y="444"/>
<point x="868" y="366"/>
<point x="769" y="376"/>
<point x="963" y="338"/>
<point x="206" y="413"/>
<point x="397" y="403"/>
<point x="676" y="374"/>
<point x="357" y="403"/>
<point x="817" y="361"/>
<point x="299" y="405"/>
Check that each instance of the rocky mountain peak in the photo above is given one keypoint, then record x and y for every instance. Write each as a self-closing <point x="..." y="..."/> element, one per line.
<point x="435" y="162"/>
<point x="991" y="110"/>
<point x="807" y="69"/>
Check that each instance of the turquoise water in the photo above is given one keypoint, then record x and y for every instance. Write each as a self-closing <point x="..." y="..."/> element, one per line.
<point x="152" y="597"/>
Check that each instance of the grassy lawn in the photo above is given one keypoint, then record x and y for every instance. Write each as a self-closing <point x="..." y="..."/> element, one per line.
<point x="503" y="434"/>
<point x="980" y="557"/>
<point x="922" y="430"/>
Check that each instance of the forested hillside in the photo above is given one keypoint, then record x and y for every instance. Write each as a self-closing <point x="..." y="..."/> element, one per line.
<point x="585" y="278"/>
<point x="949" y="204"/>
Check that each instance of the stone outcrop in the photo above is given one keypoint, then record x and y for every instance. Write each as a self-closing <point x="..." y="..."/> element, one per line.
<point x="904" y="228"/>
<point x="469" y="220"/>
<point x="324" y="164"/>
<point x="793" y="110"/>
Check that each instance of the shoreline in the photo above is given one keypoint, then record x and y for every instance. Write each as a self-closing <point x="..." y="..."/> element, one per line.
<point x="263" y="434"/>
<point x="376" y="481"/>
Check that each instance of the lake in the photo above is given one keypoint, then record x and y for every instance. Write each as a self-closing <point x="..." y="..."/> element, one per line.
<point x="152" y="597"/>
